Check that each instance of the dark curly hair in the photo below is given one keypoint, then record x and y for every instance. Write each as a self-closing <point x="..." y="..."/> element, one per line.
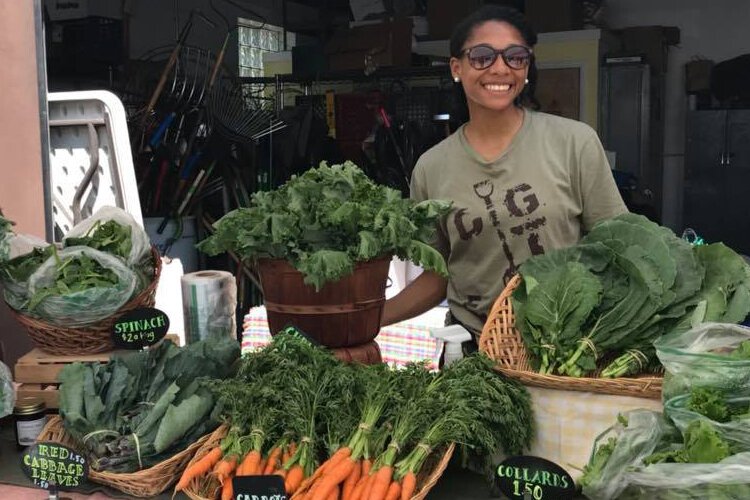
<point x="463" y="31"/>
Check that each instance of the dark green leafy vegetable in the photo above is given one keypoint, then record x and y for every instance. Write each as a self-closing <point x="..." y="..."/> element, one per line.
<point x="627" y="283"/>
<point x="326" y="220"/>
<point x="145" y="406"/>
<point x="73" y="275"/>
<point x="111" y="237"/>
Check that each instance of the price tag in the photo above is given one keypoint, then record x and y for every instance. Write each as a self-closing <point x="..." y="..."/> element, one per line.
<point x="53" y="466"/>
<point x="293" y="330"/>
<point x="534" y="478"/>
<point x="258" y="488"/>
<point x="140" y="328"/>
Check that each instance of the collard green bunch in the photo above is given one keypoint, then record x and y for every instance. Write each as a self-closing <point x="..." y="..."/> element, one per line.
<point x="628" y="282"/>
<point x="145" y="406"/>
<point x="326" y="220"/>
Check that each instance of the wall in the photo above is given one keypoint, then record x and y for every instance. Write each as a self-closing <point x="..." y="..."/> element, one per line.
<point x="575" y="49"/>
<point x="21" y="196"/>
<point x="715" y="30"/>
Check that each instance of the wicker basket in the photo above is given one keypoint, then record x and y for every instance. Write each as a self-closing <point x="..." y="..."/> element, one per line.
<point x="89" y="339"/>
<point x="199" y="489"/>
<point x="144" y="483"/>
<point x="502" y="342"/>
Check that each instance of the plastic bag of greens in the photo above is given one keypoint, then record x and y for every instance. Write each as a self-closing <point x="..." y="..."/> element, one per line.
<point x="725" y="480"/>
<point x="79" y="286"/>
<point x="6" y="231"/>
<point x="715" y="355"/>
<point x="26" y="254"/>
<point x="729" y="416"/>
<point x="620" y="448"/>
<point x="114" y="231"/>
<point x="7" y="392"/>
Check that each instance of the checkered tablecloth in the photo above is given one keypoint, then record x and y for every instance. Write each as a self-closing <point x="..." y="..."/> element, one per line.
<point x="568" y="422"/>
<point x="400" y="343"/>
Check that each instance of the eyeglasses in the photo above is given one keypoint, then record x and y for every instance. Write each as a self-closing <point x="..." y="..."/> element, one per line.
<point x="483" y="56"/>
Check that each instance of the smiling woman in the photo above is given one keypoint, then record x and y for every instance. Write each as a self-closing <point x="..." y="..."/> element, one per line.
<point x="521" y="182"/>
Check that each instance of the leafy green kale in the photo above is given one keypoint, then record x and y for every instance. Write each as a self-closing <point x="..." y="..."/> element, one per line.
<point x="742" y="351"/>
<point x="593" y="470"/>
<point x="702" y="445"/>
<point x="326" y="220"/>
<point x="111" y="237"/>
<point x="709" y="402"/>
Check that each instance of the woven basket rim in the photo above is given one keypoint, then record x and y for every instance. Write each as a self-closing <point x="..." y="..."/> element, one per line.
<point x="423" y="489"/>
<point x="143" y="483"/>
<point x="502" y="342"/>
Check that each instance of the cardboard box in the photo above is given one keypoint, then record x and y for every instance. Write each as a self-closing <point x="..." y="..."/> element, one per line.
<point x="554" y="15"/>
<point x="387" y="44"/>
<point x="444" y="15"/>
<point x="698" y="76"/>
<point x="63" y="10"/>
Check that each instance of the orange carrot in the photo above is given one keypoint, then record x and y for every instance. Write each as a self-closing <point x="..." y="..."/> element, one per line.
<point x="250" y="463"/>
<point x="290" y="449"/>
<point x="335" y="494"/>
<point x="366" y="466"/>
<point x="351" y="481"/>
<point x="334" y="476"/>
<point x="294" y="478"/>
<point x="199" y="468"/>
<point x="381" y="483"/>
<point x="227" y="490"/>
<point x="394" y="491"/>
<point x="225" y="468"/>
<point x="368" y="486"/>
<point x="280" y="472"/>
<point x="273" y="457"/>
<point x="359" y="488"/>
<point x="408" y="485"/>
<point x="334" y="460"/>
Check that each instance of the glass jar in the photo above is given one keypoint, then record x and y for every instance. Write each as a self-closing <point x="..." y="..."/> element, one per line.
<point x="30" y="417"/>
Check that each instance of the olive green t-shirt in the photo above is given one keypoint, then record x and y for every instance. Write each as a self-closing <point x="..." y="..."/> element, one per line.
<point x="549" y="186"/>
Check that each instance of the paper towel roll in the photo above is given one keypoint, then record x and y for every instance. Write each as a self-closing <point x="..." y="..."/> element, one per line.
<point x="209" y="303"/>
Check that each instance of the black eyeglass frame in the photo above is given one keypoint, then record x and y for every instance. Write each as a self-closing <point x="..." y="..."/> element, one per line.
<point x="498" y="52"/>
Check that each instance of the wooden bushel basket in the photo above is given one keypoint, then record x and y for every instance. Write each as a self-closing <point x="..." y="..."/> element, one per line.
<point x="345" y="313"/>
<point x="502" y="342"/>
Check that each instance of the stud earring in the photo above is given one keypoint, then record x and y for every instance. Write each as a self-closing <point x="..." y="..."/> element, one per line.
<point x="456" y="79"/>
<point x="527" y="81"/>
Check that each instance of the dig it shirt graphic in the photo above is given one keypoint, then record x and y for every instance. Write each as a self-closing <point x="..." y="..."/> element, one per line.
<point x="519" y="205"/>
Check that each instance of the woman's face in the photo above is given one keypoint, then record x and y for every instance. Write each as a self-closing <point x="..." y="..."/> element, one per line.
<point x="497" y="86"/>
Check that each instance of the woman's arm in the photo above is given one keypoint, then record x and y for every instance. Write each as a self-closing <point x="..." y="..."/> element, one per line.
<point x="421" y="295"/>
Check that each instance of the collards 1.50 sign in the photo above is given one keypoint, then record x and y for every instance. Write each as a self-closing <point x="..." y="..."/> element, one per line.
<point x="51" y="466"/>
<point x="534" y="478"/>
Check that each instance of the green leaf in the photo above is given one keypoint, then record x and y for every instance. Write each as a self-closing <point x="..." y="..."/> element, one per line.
<point x="179" y="419"/>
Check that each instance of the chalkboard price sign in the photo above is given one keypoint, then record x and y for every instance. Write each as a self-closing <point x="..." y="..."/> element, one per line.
<point x="140" y="328"/>
<point x="54" y="466"/>
<point x="258" y="488"/>
<point x="534" y="478"/>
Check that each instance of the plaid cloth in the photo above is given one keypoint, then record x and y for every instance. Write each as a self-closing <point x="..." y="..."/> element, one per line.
<point x="568" y="423"/>
<point x="400" y="343"/>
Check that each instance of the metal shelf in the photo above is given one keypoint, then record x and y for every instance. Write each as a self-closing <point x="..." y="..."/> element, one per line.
<point x="354" y="75"/>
